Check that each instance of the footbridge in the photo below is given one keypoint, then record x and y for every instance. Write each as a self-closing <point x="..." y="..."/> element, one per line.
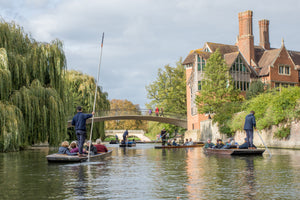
<point x="166" y="117"/>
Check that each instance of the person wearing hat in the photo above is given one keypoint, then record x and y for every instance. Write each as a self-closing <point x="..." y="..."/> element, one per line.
<point x="248" y="127"/>
<point x="79" y="121"/>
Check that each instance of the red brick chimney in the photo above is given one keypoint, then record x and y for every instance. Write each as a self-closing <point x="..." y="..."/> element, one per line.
<point x="264" y="34"/>
<point x="245" y="39"/>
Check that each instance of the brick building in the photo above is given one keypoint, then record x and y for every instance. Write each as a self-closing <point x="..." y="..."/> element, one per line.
<point x="277" y="67"/>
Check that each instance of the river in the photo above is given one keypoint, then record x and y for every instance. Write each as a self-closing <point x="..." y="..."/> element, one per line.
<point x="143" y="172"/>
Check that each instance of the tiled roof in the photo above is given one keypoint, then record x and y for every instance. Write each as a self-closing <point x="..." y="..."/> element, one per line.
<point x="223" y="48"/>
<point x="230" y="58"/>
<point x="189" y="59"/>
<point x="266" y="60"/>
<point x="295" y="55"/>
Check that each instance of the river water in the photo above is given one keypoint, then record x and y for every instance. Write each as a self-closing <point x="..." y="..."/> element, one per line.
<point x="143" y="172"/>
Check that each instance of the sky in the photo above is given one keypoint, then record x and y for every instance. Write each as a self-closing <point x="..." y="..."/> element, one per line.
<point x="142" y="36"/>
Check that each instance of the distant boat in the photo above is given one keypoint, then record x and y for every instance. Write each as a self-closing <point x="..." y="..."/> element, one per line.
<point x="127" y="145"/>
<point x="234" y="151"/>
<point x="175" y="147"/>
<point x="66" y="158"/>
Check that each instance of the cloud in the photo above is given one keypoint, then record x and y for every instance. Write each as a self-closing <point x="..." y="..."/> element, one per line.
<point x="142" y="36"/>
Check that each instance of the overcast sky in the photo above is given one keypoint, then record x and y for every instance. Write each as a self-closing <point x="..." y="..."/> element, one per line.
<point x="142" y="36"/>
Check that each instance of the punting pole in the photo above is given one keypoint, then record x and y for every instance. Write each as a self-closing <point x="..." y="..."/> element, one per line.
<point x="95" y="97"/>
<point x="263" y="143"/>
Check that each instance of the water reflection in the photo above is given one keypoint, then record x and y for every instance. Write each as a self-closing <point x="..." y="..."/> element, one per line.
<point x="147" y="173"/>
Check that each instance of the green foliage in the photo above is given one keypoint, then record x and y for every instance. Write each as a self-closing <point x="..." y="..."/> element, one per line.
<point x="283" y="132"/>
<point x="12" y="127"/>
<point x="168" y="91"/>
<point x="224" y="115"/>
<point x="81" y="91"/>
<point x="256" y="87"/>
<point x="271" y="108"/>
<point x="217" y="88"/>
<point x="33" y="98"/>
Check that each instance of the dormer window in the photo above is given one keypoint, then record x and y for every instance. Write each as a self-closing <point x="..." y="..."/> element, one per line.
<point x="239" y="66"/>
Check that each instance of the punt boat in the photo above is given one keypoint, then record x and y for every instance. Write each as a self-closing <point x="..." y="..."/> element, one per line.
<point x="127" y="145"/>
<point x="66" y="158"/>
<point x="177" y="147"/>
<point x="234" y="151"/>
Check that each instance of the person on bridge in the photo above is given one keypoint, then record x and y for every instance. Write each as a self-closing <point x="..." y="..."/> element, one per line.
<point x="79" y="121"/>
<point x="100" y="147"/>
<point x="125" y="134"/>
<point x="156" y="111"/>
<point x="248" y="127"/>
<point x="150" y="111"/>
<point x="161" y="112"/>
<point x="163" y="135"/>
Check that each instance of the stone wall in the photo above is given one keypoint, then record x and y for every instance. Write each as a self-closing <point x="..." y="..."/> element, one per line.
<point x="209" y="130"/>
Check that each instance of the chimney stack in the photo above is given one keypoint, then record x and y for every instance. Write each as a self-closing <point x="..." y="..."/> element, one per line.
<point x="246" y="39"/>
<point x="264" y="34"/>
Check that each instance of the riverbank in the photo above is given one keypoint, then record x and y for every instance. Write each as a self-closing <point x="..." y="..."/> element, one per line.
<point x="210" y="130"/>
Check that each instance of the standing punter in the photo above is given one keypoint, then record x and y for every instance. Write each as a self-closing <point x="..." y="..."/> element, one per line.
<point x="248" y="127"/>
<point x="79" y="121"/>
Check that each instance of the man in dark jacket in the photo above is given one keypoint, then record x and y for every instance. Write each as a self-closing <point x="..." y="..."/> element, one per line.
<point x="248" y="127"/>
<point x="79" y="121"/>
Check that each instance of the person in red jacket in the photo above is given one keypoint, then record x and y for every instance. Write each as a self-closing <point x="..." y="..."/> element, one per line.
<point x="100" y="147"/>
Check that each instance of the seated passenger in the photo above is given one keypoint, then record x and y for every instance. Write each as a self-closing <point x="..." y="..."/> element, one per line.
<point x="133" y="141"/>
<point x="230" y="144"/>
<point x="169" y="143"/>
<point x="220" y="144"/>
<point x="65" y="150"/>
<point x="174" y="143"/>
<point x="245" y="145"/>
<point x="93" y="150"/>
<point x="191" y="142"/>
<point x="74" y="148"/>
<point x="209" y="144"/>
<point x="100" y="147"/>
<point x="186" y="142"/>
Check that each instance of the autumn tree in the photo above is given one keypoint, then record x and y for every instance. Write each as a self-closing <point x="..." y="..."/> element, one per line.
<point x="124" y="107"/>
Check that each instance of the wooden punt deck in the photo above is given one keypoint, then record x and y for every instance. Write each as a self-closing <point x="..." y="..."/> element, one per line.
<point x="234" y="151"/>
<point x="178" y="147"/>
<point x="65" y="158"/>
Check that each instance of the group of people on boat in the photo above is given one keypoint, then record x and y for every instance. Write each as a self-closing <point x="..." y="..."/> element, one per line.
<point x="79" y="147"/>
<point x="231" y="143"/>
<point x="89" y="148"/>
<point x="249" y="126"/>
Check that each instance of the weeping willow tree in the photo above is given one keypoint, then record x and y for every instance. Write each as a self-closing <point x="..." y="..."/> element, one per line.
<point x="81" y="90"/>
<point x="31" y="89"/>
<point x="43" y="112"/>
<point x="12" y="129"/>
<point x="37" y="96"/>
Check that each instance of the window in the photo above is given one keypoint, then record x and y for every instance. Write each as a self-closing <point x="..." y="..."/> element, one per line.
<point x="238" y="66"/>
<point x="199" y="85"/>
<point x="284" y="70"/>
<point x="284" y="85"/>
<point x="201" y="63"/>
<point x="241" y="85"/>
